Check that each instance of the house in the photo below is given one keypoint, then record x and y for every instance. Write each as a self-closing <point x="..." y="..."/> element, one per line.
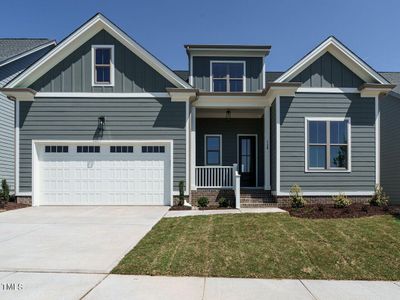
<point x="15" y="56"/>
<point x="100" y="120"/>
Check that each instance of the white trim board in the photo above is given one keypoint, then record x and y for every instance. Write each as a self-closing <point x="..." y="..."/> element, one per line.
<point x="349" y="193"/>
<point x="83" y="34"/>
<point x="377" y="141"/>
<point x="343" y="54"/>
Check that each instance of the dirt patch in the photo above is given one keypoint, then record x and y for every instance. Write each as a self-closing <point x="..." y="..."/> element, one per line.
<point x="331" y="212"/>
<point x="12" y="206"/>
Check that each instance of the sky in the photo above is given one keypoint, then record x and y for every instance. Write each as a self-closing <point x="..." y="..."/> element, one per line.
<point x="370" y="28"/>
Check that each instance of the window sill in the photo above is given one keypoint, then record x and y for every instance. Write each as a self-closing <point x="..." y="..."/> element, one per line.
<point x="326" y="171"/>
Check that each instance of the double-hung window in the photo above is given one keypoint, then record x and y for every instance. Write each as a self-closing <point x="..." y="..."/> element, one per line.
<point x="328" y="144"/>
<point x="213" y="149"/>
<point x="228" y="76"/>
<point x="103" y="65"/>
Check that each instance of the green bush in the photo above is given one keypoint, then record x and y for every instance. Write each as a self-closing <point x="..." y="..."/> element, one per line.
<point x="296" y="196"/>
<point x="181" y="193"/>
<point x="5" y="191"/>
<point x="341" y="201"/>
<point x="379" y="198"/>
<point x="202" y="202"/>
<point x="223" y="202"/>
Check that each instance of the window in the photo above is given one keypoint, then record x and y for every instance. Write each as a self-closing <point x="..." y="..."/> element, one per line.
<point x="213" y="149"/>
<point x="121" y="149"/>
<point x="328" y="145"/>
<point x="56" y="149"/>
<point x="153" y="149"/>
<point x="228" y="76"/>
<point x="88" y="149"/>
<point x="103" y="65"/>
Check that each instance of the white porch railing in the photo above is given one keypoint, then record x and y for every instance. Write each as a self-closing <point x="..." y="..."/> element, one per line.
<point x="214" y="177"/>
<point x="236" y="185"/>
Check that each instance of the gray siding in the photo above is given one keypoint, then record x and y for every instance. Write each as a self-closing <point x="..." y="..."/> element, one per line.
<point x="362" y="114"/>
<point x="229" y="130"/>
<point x="126" y="119"/>
<point x="74" y="73"/>
<point x="7" y="140"/>
<point x="254" y="68"/>
<point x="390" y="145"/>
<point x="327" y="71"/>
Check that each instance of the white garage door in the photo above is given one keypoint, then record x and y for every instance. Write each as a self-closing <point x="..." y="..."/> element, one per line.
<point x="103" y="174"/>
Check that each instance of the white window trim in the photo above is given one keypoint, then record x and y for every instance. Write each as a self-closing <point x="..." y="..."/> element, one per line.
<point x="112" y="68"/>
<point x="333" y="170"/>
<point x="228" y="61"/>
<point x="237" y="152"/>
<point x="205" y="149"/>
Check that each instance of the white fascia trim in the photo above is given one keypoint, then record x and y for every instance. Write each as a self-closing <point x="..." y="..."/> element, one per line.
<point x="306" y="121"/>
<point x="92" y="27"/>
<point x="332" y="43"/>
<point x="243" y="62"/>
<point x="356" y="193"/>
<point x="278" y="143"/>
<point x="112" y="67"/>
<point x="101" y="95"/>
<point x="28" y="53"/>
<point x="328" y="90"/>
<point x="35" y="159"/>
<point x="377" y="141"/>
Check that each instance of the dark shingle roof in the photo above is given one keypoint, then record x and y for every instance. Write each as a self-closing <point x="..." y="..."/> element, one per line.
<point x="393" y="78"/>
<point x="11" y="47"/>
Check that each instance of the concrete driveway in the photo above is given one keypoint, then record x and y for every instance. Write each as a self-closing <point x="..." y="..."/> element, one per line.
<point x="72" y="239"/>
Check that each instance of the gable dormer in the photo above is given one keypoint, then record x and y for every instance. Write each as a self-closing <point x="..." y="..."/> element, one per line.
<point x="227" y="68"/>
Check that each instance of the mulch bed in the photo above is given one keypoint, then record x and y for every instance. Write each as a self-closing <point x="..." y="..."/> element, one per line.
<point x="353" y="211"/>
<point x="215" y="208"/>
<point x="12" y="206"/>
<point x="178" y="207"/>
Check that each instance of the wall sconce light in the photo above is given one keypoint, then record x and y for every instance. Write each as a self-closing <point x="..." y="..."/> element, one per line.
<point x="101" y="123"/>
<point x="228" y="115"/>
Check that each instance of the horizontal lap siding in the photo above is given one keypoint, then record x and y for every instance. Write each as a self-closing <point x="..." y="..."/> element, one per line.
<point x="7" y="140"/>
<point x="126" y="119"/>
<point x="362" y="114"/>
<point x="390" y="145"/>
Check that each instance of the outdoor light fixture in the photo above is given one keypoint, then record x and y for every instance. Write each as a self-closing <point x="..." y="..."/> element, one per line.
<point x="101" y="123"/>
<point x="228" y="114"/>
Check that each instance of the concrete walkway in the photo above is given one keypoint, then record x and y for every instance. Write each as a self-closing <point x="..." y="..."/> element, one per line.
<point x="102" y="286"/>
<point x="196" y="212"/>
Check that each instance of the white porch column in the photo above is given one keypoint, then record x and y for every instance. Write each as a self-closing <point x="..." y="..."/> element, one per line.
<point x="193" y="149"/>
<point x="267" y="156"/>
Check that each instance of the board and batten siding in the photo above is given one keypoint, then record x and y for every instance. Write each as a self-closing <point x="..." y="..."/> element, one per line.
<point x="7" y="140"/>
<point x="292" y="142"/>
<point x="254" y="71"/>
<point x="328" y="71"/>
<point x="229" y="129"/>
<point x="390" y="145"/>
<point x="74" y="73"/>
<point x="77" y="118"/>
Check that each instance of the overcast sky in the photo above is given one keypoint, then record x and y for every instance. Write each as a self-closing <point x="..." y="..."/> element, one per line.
<point x="293" y="27"/>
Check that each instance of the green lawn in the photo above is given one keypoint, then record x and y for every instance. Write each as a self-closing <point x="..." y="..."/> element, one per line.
<point x="269" y="246"/>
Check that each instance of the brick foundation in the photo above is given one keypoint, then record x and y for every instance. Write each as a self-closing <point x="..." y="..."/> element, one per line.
<point x="24" y="200"/>
<point x="213" y="196"/>
<point x="284" y="201"/>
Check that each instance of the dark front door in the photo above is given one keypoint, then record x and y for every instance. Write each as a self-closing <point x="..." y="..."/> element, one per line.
<point x="247" y="160"/>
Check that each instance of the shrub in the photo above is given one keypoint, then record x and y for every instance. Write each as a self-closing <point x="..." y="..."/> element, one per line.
<point x="365" y="208"/>
<point x="341" y="201"/>
<point x="223" y="202"/>
<point x="202" y="202"/>
<point x="321" y="207"/>
<point x="181" y="193"/>
<point x="5" y="191"/>
<point x="379" y="198"/>
<point x="296" y="196"/>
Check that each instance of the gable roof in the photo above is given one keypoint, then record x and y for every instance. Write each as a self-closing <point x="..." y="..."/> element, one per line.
<point x="77" y="38"/>
<point x="12" y="49"/>
<point x="343" y="54"/>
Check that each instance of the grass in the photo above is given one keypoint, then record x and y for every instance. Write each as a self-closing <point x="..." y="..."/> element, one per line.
<point x="269" y="246"/>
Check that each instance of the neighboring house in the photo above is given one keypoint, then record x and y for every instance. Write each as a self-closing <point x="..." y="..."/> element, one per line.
<point x="102" y="121"/>
<point x="15" y="56"/>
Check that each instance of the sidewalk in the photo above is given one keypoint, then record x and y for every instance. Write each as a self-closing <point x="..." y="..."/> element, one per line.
<point x="197" y="212"/>
<point x="103" y="286"/>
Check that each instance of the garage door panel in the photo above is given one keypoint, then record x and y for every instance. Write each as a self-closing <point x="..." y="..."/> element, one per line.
<point x="104" y="178"/>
